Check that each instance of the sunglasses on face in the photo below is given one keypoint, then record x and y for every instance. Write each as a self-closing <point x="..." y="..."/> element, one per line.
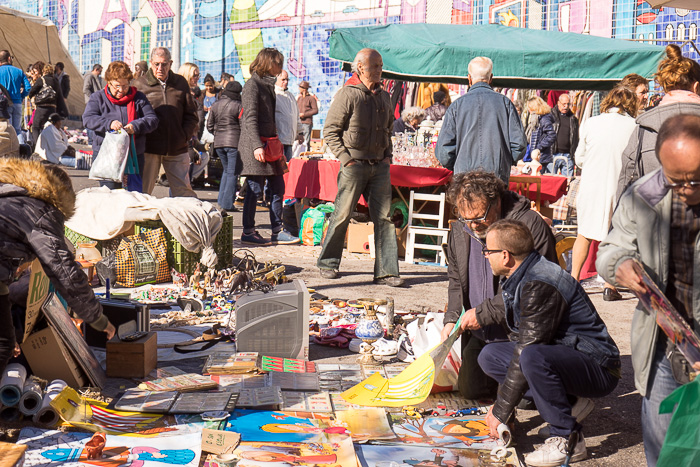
<point x="476" y="220"/>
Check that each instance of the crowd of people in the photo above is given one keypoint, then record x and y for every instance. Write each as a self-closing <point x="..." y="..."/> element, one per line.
<point x="531" y="335"/>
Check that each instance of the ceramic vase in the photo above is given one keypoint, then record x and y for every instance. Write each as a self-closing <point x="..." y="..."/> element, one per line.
<point x="369" y="329"/>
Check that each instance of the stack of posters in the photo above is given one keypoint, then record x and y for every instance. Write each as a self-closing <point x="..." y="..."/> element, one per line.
<point x="223" y="363"/>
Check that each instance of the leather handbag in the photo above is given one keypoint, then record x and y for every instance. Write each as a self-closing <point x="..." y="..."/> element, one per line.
<point x="272" y="148"/>
<point x="46" y="95"/>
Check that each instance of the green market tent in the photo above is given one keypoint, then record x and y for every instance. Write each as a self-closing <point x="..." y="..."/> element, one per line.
<point x="522" y="58"/>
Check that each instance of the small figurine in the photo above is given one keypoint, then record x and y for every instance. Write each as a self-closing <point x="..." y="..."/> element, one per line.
<point x="196" y="277"/>
<point x="179" y="279"/>
<point x="95" y="446"/>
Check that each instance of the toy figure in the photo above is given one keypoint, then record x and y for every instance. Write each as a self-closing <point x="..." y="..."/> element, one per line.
<point x="196" y="277"/>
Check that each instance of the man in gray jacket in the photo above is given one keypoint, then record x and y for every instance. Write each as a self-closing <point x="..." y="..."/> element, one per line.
<point x="482" y="129"/>
<point x="657" y="223"/>
<point x="358" y="132"/>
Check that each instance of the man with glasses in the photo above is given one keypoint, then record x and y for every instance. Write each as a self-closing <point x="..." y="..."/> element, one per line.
<point x="656" y="223"/>
<point x="559" y="347"/>
<point x="480" y="199"/>
<point x="172" y="100"/>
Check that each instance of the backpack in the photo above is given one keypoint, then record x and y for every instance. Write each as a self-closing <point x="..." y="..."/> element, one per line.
<point x="46" y="95"/>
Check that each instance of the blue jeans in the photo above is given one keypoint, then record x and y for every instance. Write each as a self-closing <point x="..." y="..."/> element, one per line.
<point x="374" y="182"/>
<point x="16" y="120"/>
<point x="654" y="425"/>
<point x="227" y="188"/>
<point x="552" y="373"/>
<point x="306" y="131"/>
<point x="288" y="153"/>
<point x="559" y="166"/>
<point x="255" y="187"/>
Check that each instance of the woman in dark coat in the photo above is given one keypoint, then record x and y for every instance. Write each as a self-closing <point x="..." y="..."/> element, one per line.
<point x="223" y="123"/>
<point x="259" y="121"/>
<point x="44" y="109"/>
<point x="120" y="106"/>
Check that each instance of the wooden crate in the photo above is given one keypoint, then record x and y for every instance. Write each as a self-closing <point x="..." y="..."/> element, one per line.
<point x="134" y="359"/>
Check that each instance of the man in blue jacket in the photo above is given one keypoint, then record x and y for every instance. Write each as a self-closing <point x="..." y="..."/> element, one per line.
<point x="17" y="84"/>
<point x="559" y="348"/>
<point x="482" y="129"/>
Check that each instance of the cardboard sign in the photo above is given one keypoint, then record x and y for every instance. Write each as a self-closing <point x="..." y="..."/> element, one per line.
<point x="38" y="291"/>
<point x="219" y="442"/>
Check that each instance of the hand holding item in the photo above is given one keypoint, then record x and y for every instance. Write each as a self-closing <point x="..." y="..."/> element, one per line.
<point x="492" y="422"/>
<point x="628" y="275"/>
<point x="129" y="129"/>
<point x="116" y="125"/>
<point x="446" y="331"/>
<point x="110" y="331"/>
<point x="469" y="321"/>
<point x="259" y="155"/>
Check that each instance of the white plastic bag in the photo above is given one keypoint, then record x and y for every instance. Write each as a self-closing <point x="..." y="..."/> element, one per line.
<point x="109" y="164"/>
<point x="424" y="337"/>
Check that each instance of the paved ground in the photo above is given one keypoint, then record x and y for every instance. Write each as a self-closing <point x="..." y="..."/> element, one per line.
<point x="613" y="432"/>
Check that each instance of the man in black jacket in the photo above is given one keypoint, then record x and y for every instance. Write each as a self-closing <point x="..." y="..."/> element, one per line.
<point x="566" y="128"/>
<point x="481" y="198"/>
<point x="559" y="347"/>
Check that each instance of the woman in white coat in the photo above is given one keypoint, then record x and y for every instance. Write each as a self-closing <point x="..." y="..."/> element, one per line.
<point x="601" y="142"/>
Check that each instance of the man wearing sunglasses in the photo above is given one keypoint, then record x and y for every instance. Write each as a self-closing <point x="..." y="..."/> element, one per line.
<point x="559" y="348"/>
<point x="481" y="198"/>
<point x="656" y="223"/>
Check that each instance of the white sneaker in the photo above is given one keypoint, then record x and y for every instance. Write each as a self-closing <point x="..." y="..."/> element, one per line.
<point x="581" y="409"/>
<point x="553" y="453"/>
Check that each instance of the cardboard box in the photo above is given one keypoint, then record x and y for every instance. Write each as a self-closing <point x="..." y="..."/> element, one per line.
<point x="358" y="238"/>
<point x="50" y="359"/>
<point x="12" y="455"/>
<point x="135" y="359"/>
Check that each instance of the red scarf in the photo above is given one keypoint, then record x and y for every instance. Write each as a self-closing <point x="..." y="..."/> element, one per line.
<point x="128" y="99"/>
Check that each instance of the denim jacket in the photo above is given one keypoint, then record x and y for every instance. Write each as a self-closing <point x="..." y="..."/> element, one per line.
<point x="545" y="305"/>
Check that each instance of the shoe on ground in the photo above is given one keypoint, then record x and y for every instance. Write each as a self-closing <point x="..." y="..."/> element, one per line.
<point x="328" y="273"/>
<point x="581" y="409"/>
<point x="254" y="239"/>
<point x="284" y="238"/>
<point x="553" y="453"/>
<point x="391" y="281"/>
<point x="611" y="295"/>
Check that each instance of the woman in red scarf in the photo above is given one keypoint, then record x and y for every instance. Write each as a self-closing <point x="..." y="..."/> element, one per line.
<point x="120" y="106"/>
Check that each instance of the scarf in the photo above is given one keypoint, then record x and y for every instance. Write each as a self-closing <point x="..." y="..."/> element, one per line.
<point x="680" y="96"/>
<point x="128" y="99"/>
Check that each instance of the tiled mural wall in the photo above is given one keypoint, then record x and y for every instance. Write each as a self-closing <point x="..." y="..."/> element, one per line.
<point x="225" y="35"/>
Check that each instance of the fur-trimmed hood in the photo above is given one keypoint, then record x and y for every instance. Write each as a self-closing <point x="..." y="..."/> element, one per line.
<point x="20" y="177"/>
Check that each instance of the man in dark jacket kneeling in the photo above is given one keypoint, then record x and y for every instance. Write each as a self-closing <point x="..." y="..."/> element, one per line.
<point x="559" y="348"/>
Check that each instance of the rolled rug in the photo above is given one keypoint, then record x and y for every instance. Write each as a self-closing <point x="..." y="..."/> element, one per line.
<point x="32" y="395"/>
<point x="47" y="415"/>
<point x="12" y="383"/>
<point x="9" y="414"/>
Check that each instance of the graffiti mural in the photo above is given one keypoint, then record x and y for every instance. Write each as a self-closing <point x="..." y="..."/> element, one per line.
<point x="225" y="35"/>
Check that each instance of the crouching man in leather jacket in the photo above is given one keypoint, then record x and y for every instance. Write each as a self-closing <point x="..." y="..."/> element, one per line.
<point x="559" y="347"/>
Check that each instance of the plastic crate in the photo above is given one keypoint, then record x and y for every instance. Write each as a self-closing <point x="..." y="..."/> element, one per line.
<point x="75" y="238"/>
<point x="185" y="261"/>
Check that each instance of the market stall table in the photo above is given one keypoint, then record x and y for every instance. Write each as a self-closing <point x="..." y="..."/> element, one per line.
<point x="553" y="187"/>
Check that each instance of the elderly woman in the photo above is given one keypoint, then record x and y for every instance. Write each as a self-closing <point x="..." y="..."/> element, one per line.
<point x="543" y="135"/>
<point x="120" y="106"/>
<point x="409" y="121"/>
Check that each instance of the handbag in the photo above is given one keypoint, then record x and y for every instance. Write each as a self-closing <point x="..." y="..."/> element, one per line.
<point x="142" y="259"/>
<point x="46" y="95"/>
<point x="110" y="162"/>
<point x="272" y="148"/>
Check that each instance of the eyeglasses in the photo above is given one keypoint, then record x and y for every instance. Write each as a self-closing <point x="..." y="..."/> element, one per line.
<point x="691" y="184"/>
<point x="485" y="251"/>
<point x="477" y="220"/>
<point x="160" y="64"/>
<point x="119" y="86"/>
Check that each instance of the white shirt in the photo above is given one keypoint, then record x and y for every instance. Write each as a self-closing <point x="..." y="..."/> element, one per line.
<point x="52" y="143"/>
<point x="286" y="116"/>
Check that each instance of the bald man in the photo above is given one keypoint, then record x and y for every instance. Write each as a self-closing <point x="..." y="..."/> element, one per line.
<point x="564" y="147"/>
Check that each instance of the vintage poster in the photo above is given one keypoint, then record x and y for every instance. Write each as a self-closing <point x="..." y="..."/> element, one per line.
<point x="256" y="425"/>
<point x="339" y="453"/>
<point x="414" y="456"/>
<point x="463" y="432"/>
<point x="49" y="448"/>
<point x="365" y="424"/>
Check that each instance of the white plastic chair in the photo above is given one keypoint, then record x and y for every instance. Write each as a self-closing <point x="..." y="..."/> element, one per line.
<point x="437" y="231"/>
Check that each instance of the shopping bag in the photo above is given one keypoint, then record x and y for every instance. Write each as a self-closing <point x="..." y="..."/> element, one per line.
<point x="110" y="162"/>
<point x="424" y="336"/>
<point x="682" y="443"/>
<point x="142" y="259"/>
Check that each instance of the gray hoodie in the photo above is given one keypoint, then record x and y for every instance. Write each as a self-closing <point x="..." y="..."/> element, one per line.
<point x="648" y="127"/>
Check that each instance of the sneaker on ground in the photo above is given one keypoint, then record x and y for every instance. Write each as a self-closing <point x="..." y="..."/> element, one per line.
<point x="284" y="238"/>
<point x="553" y="453"/>
<point x="581" y="409"/>
<point x="254" y="239"/>
<point x="391" y="281"/>
<point x="328" y="273"/>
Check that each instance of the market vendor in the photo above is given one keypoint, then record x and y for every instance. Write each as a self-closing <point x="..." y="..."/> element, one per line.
<point x="36" y="200"/>
<point x="559" y="347"/>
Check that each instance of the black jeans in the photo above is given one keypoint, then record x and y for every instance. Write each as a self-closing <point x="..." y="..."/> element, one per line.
<point x="41" y="116"/>
<point x="473" y="382"/>
<point x="7" y="332"/>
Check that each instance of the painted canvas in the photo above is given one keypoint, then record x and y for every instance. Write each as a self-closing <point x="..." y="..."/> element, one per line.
<point x="415" y="456"/>
<point x="256" y="425"/>
<point x="49" y="448"/>
<point x="339" y="453"/>
<point x="463" y="432"/>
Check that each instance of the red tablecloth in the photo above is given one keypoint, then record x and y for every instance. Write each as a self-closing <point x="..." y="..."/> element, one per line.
<point x="313" y="178"/>
<point x="553" y="188"/>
